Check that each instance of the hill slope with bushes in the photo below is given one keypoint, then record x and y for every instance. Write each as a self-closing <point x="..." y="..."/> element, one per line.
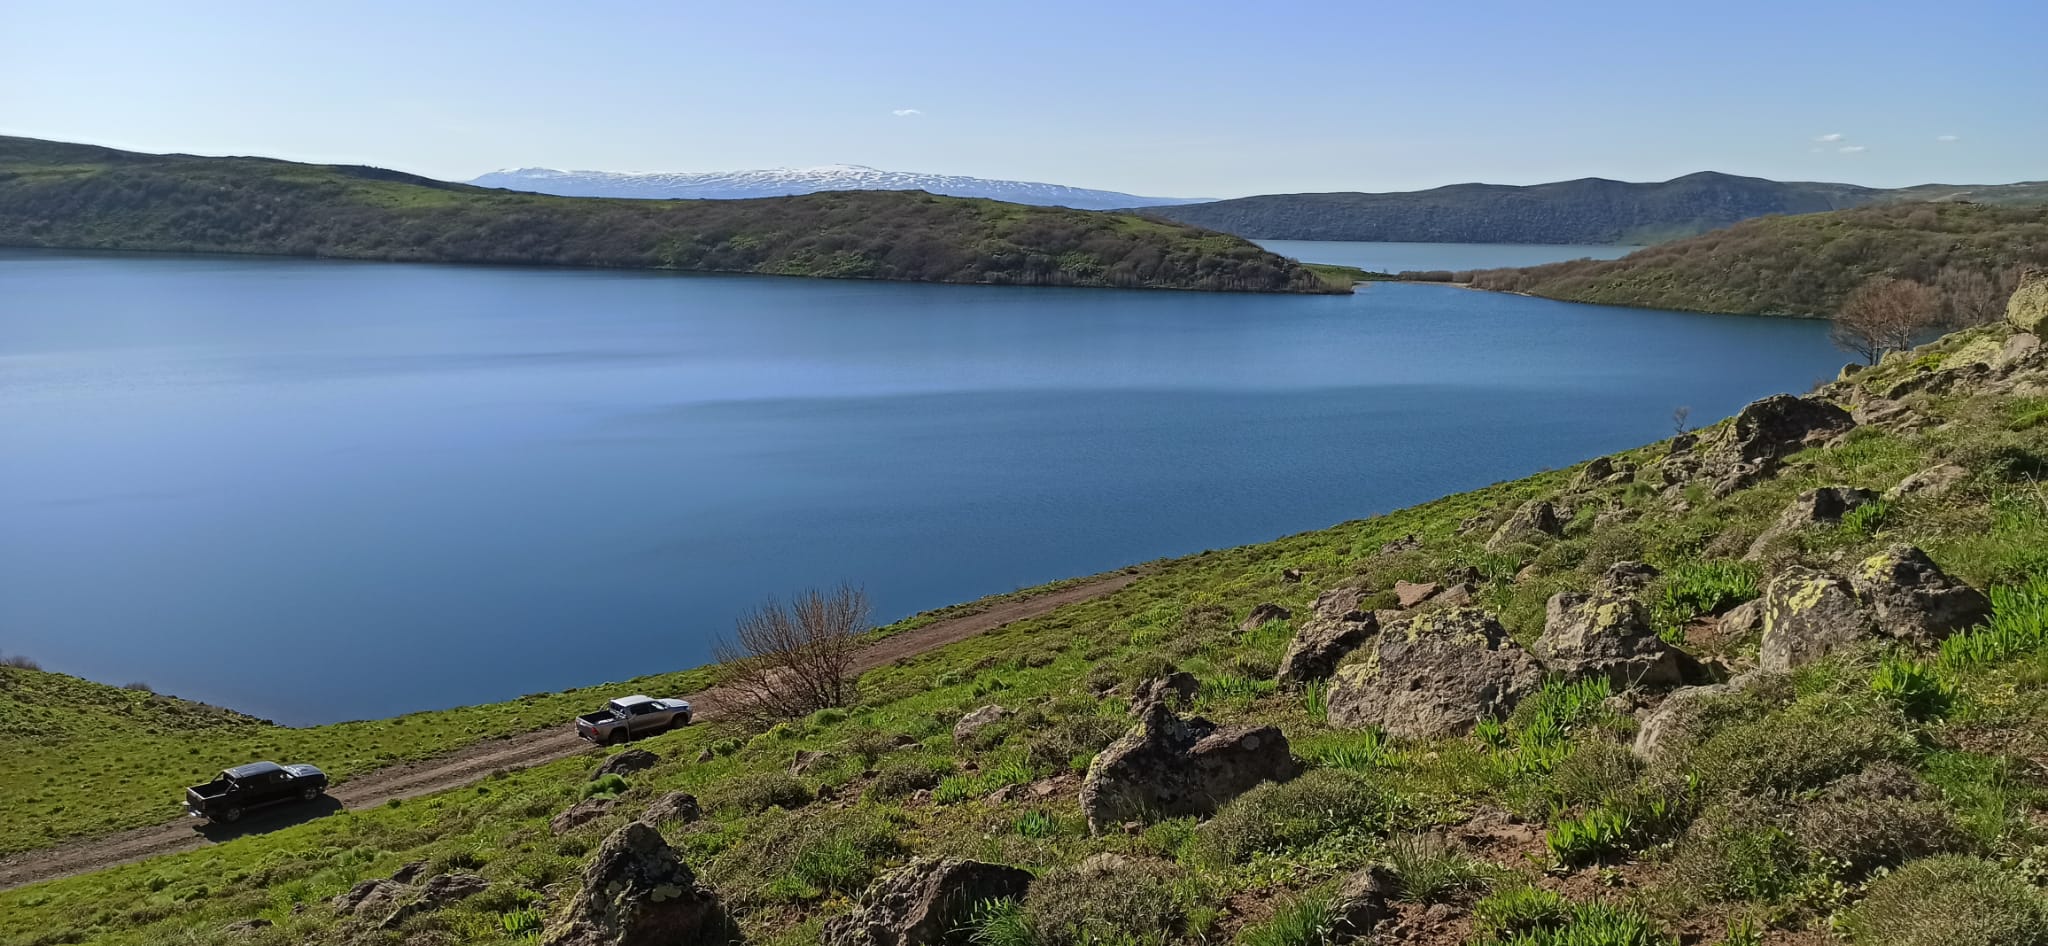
<point x="1803" y="265"/>
<point x="54" y="194"/>
<point x="1782" y="680"/>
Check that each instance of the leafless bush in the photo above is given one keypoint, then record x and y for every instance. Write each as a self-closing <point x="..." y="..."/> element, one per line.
<point x="1884" y="315"/>
<point x="789" y="661"/>
<point x="1970" y="297"/>
<point x="138" y="686"/>
<point x="20" y="662"/>
<point x="1681" y="418"/>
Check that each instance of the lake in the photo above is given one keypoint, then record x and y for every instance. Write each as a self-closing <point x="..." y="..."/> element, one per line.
<point x="318" y="490"/>
<point x="1401" y="257"/>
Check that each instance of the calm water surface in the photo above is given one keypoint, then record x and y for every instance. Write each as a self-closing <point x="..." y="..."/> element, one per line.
<point x="323" y="490"/>
<point x="1397" y="257"/>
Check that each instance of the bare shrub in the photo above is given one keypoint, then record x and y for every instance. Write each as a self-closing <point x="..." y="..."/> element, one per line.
<point x="789" y="661"/>
<point x="1969" y="297"/>
<point x="19" y="662"/>
<point x="1884" y="315"/>
<point x="139" y="687"/>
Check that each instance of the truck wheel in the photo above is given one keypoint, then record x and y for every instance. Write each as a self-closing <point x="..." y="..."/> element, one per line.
<point x="230" y="815"/>
<point x="617" y="738"/>
<point x="308" y="793"/>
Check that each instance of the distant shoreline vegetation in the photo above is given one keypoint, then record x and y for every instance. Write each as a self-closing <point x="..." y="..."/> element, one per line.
<point x="68" y="196"/>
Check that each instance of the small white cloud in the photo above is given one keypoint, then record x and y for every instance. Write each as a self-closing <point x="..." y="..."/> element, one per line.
<point x="1850" y="149"/>
<point x="1825" y="139"/>
<point x="1946" y="138"/>
<point x="906" y="112"/>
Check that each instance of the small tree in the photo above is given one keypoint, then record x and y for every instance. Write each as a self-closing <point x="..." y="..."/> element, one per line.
<point x="789" y="661"/>
<point x="1969" y="297"/>
<point x="1884" y="315"/>
<point x="1681" y="418"/>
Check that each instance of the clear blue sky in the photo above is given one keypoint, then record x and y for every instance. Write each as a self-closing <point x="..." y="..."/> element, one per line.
<point x="1168" y="99"/>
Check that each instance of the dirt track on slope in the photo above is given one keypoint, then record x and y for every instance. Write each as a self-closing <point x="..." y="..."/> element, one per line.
<point x="469" y="764"/>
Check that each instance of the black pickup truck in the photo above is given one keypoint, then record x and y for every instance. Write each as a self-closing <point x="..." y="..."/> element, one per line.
<point x="253" y="786"/>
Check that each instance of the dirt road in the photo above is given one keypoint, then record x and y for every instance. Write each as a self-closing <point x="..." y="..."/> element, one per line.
<point x="464" y="766"/>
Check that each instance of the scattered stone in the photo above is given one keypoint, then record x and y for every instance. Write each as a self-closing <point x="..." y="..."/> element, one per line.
<point x="1408" y="594"/>
<point x="1360" y="903"/>
<point x="1001" y="795"/>
<point x="1339" y="604"/>
<point x="1607" y="633"/>
<point x="1461" y="575"/>
<point x="371" y="897"/>
<point x="625" y="763"/>
<point x="1595" y="472"/>
<point x="1915" y="601"/>
<point x="1752" y="448"/>
<point x="1534" y="521"/>
<point x="1291" y="576"/>
<point x="804" y="760"/>
<point x="439" y="892"/>
<point x="1938" y="381"/>
<point x="1261" y="614"/>
<point x="1321" y="644"/>
<point x="674" y="806"/>
<point x="580" y="814"/>
<point x="1471" y="524"/>
<point x="245" y="927"/>
<point x="1931" y="483"/>
<point x="1744" y="620"/>
<point x="637" y="892"/>
<point x="977" y="721"/>
<point x="1434" y="675"/>
<point x="1176" y="688"/>
<point x="1406" y="543"/>
<point x="1167" y="766"/>
<point x="1823" y="506"/>
<point x="925" y="903"/>
<point x="1457" y="596"/>
<point x="1683" y="443"/>
<point x="410" y="872"/>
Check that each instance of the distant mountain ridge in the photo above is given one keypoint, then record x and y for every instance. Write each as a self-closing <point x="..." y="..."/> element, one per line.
<point x="789" y="182"/>
<point x="1587" y="210"/>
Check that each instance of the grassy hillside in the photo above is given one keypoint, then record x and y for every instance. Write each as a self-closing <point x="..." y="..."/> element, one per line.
<point x="64" y="195"/>
<point x="1800" y="266"/>
<point x="1590" y="210"/>
<point x="1883" y="795"/>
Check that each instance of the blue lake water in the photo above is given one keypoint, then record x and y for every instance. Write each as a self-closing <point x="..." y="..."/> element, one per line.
<point x="318" y="490"/>
<point x="1399" y="257"/>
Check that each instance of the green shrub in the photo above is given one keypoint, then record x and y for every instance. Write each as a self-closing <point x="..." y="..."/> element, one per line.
<point x="1948" y="901"/>
<point x="1520" y="909"/>
<point x="1594" y="836"/>
<point x="1918" y="692"/>
<point x="1739" y="851"/>
<point x="1588" y="924"/>
<point x="794" y="857"/>
<point x="1801" y="748"/>
<point x="1427" y="869"/>
<point x="1691" y="589"/>
<point x="1072" y="738"/>
<point x="726" y="747"/>
<point x="1121" y="901"/>
<point x="1864" y="521"/>
<point x="764" y="790"/>
<point x="2018" y="625"/>
<point x="1862" y="834"/>
<point x="1300" y="921"/>
<point x="610" y="785"/>
<point x="1001" y="922"/>
<point x="1315" y="699"/>
<point x="1277" y="817"/>
<point x="1592" y="771"/>
<point x="1360" y="751"/>
<point x="1038" y="824"/>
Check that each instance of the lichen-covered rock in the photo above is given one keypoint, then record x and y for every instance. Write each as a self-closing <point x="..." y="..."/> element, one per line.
<point x="1437" y="674"/>
<point x="1931" y="483"/>
<point x="1262" y="614"/>
<point x="1824" y="505"/>
<point x="2027" y="310"/>
<point x="637" y="892"/>
<point x="1743" y="620"/>
<point x="1533" y="521"/>
<point x="580" y="814"/>
<point x="1320" y="645"/>
<point x="1607" y="634"/>
<point x="1167" y="766"/>
<point x="977" y="721"/>
<point x="1915" y="602"/>
<point x="625" y="763"/>
<point x="925" y="903"/>
<point x="674" y="806"/>
<point x="1809" y="614"/>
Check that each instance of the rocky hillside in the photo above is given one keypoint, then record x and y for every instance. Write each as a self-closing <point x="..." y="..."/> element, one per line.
<point x="1805" y="265"/>
<point x="1782" y="680"/>
<point x="54" y="194"/>
<point x="1589" y="210"/>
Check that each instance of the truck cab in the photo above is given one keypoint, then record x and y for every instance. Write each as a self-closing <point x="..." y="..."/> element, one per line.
<point x="254" y="785"/>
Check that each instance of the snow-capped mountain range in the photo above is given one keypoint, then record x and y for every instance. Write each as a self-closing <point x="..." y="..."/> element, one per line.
<point x="782" y="182"/>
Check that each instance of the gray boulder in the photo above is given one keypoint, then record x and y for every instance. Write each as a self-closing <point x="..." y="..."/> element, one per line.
<point x="1607" y="633"/>
<point x="637" y="892"/>
<point x="625" y="763"/>
<point x="1931" y="483"/>
<point x="1406" y="543"/>
<point x="1825" y="505"/>
<point x="1361" y="902"/>
<point x="580" y="814"/>
<point x="1755" y="444"/>
<point x="1809" y="614"/>
<point x="1534" y="521"/>
<point x="977" y="721"/>
<point x="1167" y="766"/>
<point x="1408" y="594"/>
<point x="1320" y="645"/>
<point x="2027" y="310"/>
<point x="1898" y="594"/>
<point x="674" y="806"/>
<point x="1339" y="604"/>
<point x="1915" y="602"/>
<point x="1437" y="674"/>
<point x="925" y="903"/>
<point x="1262" y="614"/>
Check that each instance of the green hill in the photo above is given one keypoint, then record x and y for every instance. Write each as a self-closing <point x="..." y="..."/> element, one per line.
<point x="1589" y="210"/>
<point x="1869" y="774"/>
<point x="54" y="194"/>
<point x="1801" y="265"/>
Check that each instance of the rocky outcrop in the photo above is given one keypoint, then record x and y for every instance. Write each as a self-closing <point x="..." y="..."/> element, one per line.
<point x="1607" y="633"/>
<point x="2027" y="310"/>
<point x="2020" y="350"/>
<point x="674" y="806"/>
<point x="625" y="763"/>
<point x="977" y="721"/>
<point x="1534" y="521"/>
<point x="580" y="814"/>
<point x="1825" y="505"/>
<point x="1321" y="644"/>
<point x="925" y="903"/>
<point x="1931" y="483"/>
<point x="804" y="761"/>
<point x="637" y="892"/>
<point x="1339" y="604"/>
<point x="1755" y="444"/>
<point x="372" y="898"/>
<point x="1167" y="766"/>
<point x="1437" y="674"/>
<point x="1898" y="594"/>
<point x="1600" y="471"/>
<point x="1261" y="614"/>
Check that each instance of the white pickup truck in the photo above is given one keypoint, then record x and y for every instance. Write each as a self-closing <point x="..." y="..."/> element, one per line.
<point x="631" y="716"/>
